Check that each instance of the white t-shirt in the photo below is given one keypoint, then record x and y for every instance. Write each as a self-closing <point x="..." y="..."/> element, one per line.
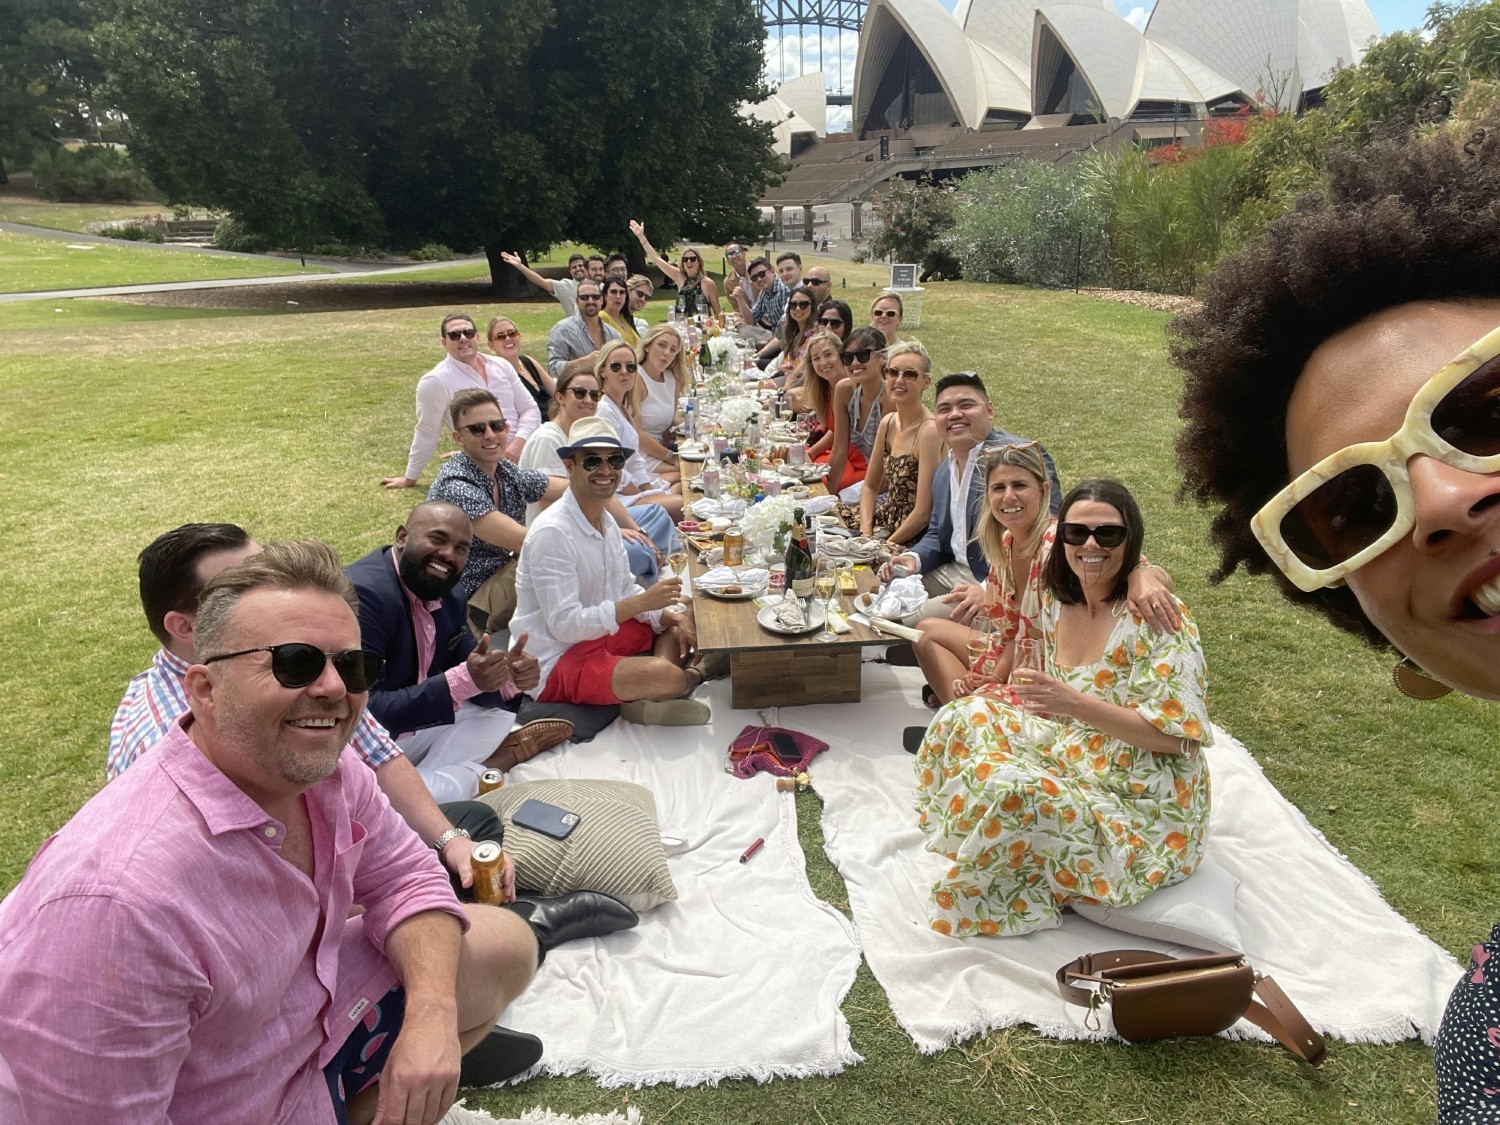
<point x="541" y="454"/>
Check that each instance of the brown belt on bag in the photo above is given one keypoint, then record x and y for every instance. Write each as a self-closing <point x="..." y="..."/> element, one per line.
<point x="1153" y="996"/>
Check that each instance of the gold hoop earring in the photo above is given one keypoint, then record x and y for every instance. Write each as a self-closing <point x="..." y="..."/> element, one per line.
<point x="1414" y="683"/>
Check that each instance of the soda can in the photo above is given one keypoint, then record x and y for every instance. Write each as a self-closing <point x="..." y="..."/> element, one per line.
<point x="734" y="546"/>
<point x="489" y="873"/>
<point x="491" y="780"/>
<point x="777" y="581"/>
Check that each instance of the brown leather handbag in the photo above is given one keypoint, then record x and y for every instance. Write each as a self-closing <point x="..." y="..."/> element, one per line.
<point x="1153" y="996"/>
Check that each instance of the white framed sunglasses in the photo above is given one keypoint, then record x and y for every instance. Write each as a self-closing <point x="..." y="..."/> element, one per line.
<point x="1357" y="503"/>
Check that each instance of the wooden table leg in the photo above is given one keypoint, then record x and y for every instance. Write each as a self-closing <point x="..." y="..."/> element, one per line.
<point x="789" y="677"/>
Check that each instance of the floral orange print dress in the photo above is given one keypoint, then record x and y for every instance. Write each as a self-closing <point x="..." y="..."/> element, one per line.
<point x="1020" y="611"/>
<point x="1033" y="813"/>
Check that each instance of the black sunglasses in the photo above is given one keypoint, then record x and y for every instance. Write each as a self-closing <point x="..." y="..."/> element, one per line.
<point x="296" y="665"/>
<point x="457" y="334"/>
<point x="691" y="258"/>
<point x="617" y="367"/>
<point x="761" y="276"/>
<point x="494" y="425"/>
<point x="799" y="304"/>
<point x="591" y="296"/>
<point x="581" y="393"/>
<point x="832" y="321"/>
<point x="1107" y="535"/>
<point x="817" y="281"/>
<point x="735" y="253"/>
<point x="859" y="355"/>
<point x="593" y="460"/>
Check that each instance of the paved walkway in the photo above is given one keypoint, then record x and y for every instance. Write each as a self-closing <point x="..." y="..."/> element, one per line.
<point x="339" y="266"/>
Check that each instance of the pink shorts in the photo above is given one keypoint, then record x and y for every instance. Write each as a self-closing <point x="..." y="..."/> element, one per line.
<point x="586" y="672"/>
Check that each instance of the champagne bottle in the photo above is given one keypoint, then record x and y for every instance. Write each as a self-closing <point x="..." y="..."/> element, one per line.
<point x="705" y="355"/>
<point x="799" y="560"/>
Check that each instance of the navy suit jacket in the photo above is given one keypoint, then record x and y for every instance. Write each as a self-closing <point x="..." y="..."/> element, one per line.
<point x="936" y="545"/>
<point x="405" y="698"/>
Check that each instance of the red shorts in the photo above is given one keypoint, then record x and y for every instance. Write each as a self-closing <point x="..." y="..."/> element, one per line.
<point x="586" y="672"/>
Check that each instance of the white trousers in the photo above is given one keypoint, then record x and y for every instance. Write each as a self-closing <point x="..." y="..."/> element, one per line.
<point x="450" y="758"/>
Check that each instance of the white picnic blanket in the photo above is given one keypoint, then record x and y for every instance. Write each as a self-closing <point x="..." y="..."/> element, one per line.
<point x="742" y="976"/>
<point x="1357" y="969"/>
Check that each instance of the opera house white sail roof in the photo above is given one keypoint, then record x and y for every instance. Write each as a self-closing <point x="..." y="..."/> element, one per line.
<point x="999" y="62"/>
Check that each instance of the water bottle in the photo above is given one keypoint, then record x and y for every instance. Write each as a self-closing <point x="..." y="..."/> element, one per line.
<point x="752" y="433"/>
<point x="711" y="478"/>
<point x="689" y="423"/>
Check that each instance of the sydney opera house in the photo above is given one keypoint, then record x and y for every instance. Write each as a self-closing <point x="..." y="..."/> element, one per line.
<point x="1007" y="63"/>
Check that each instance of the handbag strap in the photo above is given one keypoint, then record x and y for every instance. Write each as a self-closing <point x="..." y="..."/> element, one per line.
<point x="1271" y="1009"/>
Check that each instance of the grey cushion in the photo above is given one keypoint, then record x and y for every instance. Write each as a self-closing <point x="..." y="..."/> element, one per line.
<point x="616" y="848"/>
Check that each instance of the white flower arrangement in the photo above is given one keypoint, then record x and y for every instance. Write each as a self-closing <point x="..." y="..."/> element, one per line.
<point x="734" y="414"/>
<point x="761" y="523"/>
<point x="722" y="348"/>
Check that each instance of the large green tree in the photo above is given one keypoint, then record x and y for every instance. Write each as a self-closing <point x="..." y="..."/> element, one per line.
<point x="506" y="124"/>
<point x="47" y="72"/>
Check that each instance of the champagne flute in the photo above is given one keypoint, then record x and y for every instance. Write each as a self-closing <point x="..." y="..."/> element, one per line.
<point x="677" y="561"/>
<point x="1028" y="656"/>
<point x="826" y="583"/>
<point x="981" y="644"/>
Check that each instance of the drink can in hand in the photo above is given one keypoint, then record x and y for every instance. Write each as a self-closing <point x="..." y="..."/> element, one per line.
<point x="489" y="873"/>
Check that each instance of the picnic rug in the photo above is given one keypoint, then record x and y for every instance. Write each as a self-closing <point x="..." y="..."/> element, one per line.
<point x="1357" y="969"/>
<point x="742" y="976"/>
<point x="541" y="1116"/>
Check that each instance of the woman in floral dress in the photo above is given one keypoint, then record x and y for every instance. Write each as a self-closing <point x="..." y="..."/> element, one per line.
<point x="1084" y="781"/>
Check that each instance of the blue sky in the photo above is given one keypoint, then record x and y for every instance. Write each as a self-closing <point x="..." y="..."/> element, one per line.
<point x="1390" y="15"/>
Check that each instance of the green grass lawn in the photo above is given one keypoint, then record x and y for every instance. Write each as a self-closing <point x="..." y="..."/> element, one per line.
<point x="30" y="263"/>
<point x="285" y="424"/>
<point x="72" y="216"/>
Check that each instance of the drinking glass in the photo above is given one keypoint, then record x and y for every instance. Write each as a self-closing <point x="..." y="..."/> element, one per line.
<point x="826" y="584"/>
<point x="1028" y="656"/>
<point x="677" y="561"/>
<point x="981" y="645"/>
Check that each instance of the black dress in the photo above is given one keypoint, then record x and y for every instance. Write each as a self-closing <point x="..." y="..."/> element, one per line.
<point x="531" y="379"/>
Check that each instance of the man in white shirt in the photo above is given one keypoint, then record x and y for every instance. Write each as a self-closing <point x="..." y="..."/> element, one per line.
<point x="465" y="366"/>
<point x="600" y="638"/>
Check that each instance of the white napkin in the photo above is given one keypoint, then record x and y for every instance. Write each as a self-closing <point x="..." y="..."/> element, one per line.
<point x="707" y="508"/>
<point x="900" y="597"/>
<point x="857" y="547"/>
<point x="818" y="505"/>
<point x="789" y="613"/>
<point x="752" y="578"/>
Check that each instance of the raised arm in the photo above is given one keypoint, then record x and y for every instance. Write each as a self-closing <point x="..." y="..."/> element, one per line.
<point x="639" y="230"/>
<point x="542" y="283"/>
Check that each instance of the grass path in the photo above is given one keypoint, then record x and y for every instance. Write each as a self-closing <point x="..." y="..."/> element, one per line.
<point x="284" y="424"/>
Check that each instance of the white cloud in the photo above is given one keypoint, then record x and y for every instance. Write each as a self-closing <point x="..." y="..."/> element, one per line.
<point x="790" y="55"/>
<point x="1137" y="17"/>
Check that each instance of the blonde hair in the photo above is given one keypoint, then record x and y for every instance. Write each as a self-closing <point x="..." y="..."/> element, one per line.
<point x="910" y="347"/>
<point x="989" y="533"/>
<point x="816" y="394"/>
<point x="681" y="374"/>
<point x="632" y="396"/>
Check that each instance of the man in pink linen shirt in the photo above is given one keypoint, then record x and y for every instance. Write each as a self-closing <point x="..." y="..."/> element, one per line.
<point x="186" y="948"/>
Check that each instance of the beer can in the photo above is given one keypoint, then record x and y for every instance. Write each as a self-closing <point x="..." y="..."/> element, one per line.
<point x="489" y="873"/>
<point x="490" y="780"/>
<point x="734" y="546"/>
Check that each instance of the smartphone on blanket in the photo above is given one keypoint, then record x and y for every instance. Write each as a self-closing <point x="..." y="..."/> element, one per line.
<point x="547" y="819"/>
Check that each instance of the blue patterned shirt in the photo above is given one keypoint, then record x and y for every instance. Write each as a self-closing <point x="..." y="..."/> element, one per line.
<point x="460" y="481"/>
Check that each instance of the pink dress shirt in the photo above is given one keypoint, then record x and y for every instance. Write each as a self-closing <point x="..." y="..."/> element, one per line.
<point x="161" y="963"/>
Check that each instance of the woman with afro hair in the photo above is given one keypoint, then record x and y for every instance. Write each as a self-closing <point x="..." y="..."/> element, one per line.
<point x="1342" y="407"/>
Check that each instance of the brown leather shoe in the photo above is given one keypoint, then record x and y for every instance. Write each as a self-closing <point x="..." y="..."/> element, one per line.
<point x="526" y="742"/>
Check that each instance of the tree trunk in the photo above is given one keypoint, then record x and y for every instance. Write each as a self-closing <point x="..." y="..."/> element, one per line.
<point x="506" y="283"/>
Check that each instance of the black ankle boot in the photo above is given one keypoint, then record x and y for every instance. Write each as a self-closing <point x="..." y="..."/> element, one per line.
<point x="569" y="917"/>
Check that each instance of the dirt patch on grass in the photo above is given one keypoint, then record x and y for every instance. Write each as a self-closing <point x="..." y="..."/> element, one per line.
<point x="325" y="296"/>
<point x="1161" y="302"/>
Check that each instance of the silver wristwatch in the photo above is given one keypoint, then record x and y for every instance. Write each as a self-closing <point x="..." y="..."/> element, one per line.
<point x="448" y="837"/>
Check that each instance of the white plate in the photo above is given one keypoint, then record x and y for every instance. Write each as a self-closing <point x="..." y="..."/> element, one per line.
<point x="768" y="622"/>
<point x="747" y="593"/>
<point x="698" y="454"/>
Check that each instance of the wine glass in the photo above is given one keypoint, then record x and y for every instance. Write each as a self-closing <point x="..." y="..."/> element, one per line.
<point x="1028" y="656"/>
<point x="981" y="645"/>
<point x="826" y="584"/>
<point x="677" y="561"/>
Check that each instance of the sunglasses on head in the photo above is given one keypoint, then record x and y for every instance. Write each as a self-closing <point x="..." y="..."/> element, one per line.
<point x="1107" y="535"/>
<point x="616" y="366"/>
<point x="296" y="665"/>
<point x="803" y="305"/>
<point x="592" y="461"/>
<point x="832" y="321"/>
<point x="1357" y="503"/>
<point x="582" y="393"/>
<point x="514" y="332"/>
<point x="494" y="425"/>
<point x="858" y="355"/>
<point x="457" y="334"/>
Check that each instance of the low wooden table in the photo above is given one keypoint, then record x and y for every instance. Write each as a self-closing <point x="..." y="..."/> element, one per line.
<point x="770" y="670"/>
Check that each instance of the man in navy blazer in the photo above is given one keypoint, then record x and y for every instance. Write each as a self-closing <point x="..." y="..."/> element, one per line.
<point x="448" y="700"/>
<point x="947" y="552"/>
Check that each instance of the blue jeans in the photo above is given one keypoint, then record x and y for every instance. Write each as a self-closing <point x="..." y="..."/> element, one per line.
<point x="655" y="522"/>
